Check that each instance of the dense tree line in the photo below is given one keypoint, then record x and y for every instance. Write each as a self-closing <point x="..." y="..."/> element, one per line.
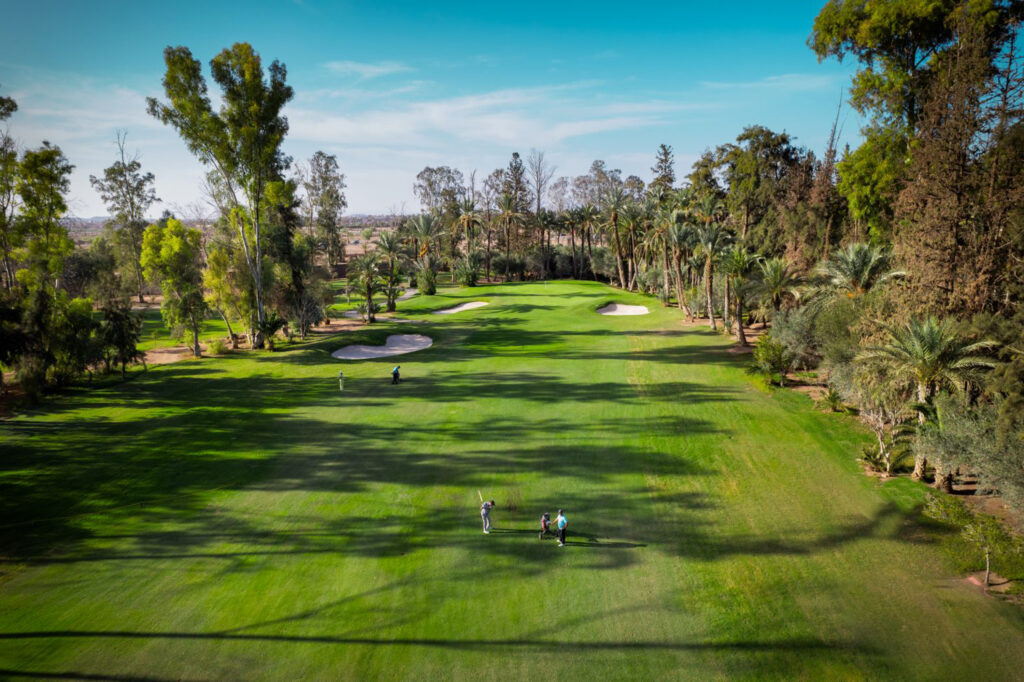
<point x="262" y="265"/>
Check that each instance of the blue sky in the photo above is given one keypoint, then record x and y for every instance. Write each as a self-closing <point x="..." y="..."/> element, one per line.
<point x="392" y="87"/>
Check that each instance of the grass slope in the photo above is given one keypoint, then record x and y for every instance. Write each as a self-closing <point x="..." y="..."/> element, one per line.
<point x="239" y="518"/>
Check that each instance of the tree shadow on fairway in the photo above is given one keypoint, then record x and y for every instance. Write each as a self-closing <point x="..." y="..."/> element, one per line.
<point x="10" y="673"/>
<point x="796" y="644"/>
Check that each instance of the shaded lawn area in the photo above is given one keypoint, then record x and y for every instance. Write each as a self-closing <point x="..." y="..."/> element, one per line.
<point x="239" y="517"/>
<point x="156" y="334"/>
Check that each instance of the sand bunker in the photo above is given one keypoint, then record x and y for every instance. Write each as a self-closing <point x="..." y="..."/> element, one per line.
<point x="462" y="306"/>
<point x="621" y="309"/>
<point x="397" y="344"/>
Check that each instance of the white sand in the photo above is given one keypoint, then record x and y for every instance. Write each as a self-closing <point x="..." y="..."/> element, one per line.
<point x="397" y="344"/>
<point x="462" y="306"/>
<point x="409" y="293"/>
<point x="621" y="309"/>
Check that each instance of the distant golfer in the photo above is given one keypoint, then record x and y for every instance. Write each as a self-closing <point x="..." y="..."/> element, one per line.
<point x="545" y="526"/>
<point x="485" y="514"/>
<point x="561" y="523"/>
<point x="395" y="378"/>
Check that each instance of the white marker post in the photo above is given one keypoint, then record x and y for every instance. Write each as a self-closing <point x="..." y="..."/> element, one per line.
<point x="341" y="381"/>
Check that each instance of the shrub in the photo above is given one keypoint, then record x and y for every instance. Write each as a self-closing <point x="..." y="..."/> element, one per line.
<point x="831" y="401"/>
<point x="770" y="358"/>
<point x="217" y="347"/>
<point x="467" y="274"/>
<point x="794" y="329"/>
<point x="426" y="281"/>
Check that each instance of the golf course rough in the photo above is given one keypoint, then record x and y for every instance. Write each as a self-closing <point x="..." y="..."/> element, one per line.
<point x="240" y="518"/>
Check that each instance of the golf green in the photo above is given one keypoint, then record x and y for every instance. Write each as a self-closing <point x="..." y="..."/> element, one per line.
<point x="241" y="518"/>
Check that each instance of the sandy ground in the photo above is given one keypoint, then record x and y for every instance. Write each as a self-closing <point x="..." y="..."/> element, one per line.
<point x="397" y="344"/>
<point x="462" y="306"/>
<point x="622" y="309"/>
<point x="409" y="293"/>
<point x="165" y="356"/>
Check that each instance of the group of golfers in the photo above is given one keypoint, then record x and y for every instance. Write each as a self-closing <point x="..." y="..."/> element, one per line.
<point x="560" y="524"/>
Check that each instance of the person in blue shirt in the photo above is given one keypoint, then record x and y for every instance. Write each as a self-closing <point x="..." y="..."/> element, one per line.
<point x="561" y="523"/>
<point x="394" y="375"/>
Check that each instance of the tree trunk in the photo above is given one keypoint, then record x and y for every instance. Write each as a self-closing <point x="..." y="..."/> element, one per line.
<point x="678" y="257"/>
<point x="618" y="251"/>
<point x="920" y="461"/>
<point x="231" y="334"/>
<point x="390" y="294"/>
<point x="590" y="254"/>
<point x="572" y="243"/>
<point x="739" y="320"/>
<point x="988" y="566"/>
<point x="664" y="278"/>
<point x="195" y="341"/>
<point x="488" y="253"/>
<point x="828" y="236"/>
<point x="508" y="246"/>
<point x="632" y="264"/>
<point x="726" y="322"/>
<point x="707" y="288"/>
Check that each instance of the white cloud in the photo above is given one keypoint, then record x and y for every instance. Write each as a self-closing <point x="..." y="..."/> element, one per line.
<point x="366" y="70"/>
<point x="518" y="117"/>
<point x="787" y="82"/>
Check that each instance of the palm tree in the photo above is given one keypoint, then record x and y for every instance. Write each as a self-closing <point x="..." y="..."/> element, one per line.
<point x="508" y="215"/>
<point x="738" y="264"/>
<point x="713" y="240"/>
<point x="777" y="282"/>
<point x="930" y="355"/>
<point x="469" y="218"/>
<point x="632" y="218"/>
<point x="856" y="270"/>
<point x="365" y="271"/>
<point x="708" y="209"/>
<point x="682" y="237"/>
<point x="614" y="202"/>
<point x="589" y="216"/>
<point x="424" y="229"/>
<point x="389" y="249"/>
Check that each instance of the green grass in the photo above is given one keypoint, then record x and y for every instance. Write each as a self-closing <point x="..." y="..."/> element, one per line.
<point x="155" y="334"/>
<point x="239" y="518"/>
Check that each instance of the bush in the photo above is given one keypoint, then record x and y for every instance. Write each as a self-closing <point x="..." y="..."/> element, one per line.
<point x="831" y="401"/>
<point x="770" y="359"/>
<point x="467" y="274"/>
<point x="426" y="281"/>
<point x="217" y="347"/>
<point x="795" y="330"/>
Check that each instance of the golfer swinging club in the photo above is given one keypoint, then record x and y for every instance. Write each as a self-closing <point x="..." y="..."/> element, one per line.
<point x="485" y="514"/>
